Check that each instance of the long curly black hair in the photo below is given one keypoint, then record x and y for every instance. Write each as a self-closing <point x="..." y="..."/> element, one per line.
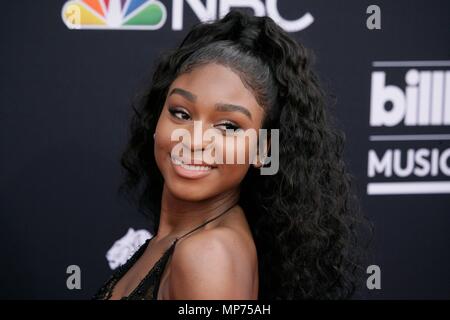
<point x="305" y="219"/>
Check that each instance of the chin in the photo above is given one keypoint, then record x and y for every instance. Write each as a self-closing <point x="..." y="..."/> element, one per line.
<point x="190" y="192"/>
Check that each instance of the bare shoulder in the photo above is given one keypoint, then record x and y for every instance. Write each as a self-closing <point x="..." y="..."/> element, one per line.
<point x="217" y="263"/>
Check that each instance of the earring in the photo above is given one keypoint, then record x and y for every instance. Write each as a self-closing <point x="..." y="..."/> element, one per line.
<point x="154" y="134"/>
<point x="258" y="165"/>
<point x="262" y="162"/>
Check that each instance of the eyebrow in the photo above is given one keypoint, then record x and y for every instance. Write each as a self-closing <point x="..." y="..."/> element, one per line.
<point x="220" y="106"/>
<point x="188" y="95"/>
<point x="227" y="107"/>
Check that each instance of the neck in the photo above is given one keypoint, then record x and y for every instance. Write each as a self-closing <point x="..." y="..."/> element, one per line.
<point x="179" y="216"/>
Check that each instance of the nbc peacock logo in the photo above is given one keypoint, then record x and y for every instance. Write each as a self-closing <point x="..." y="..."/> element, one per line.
<point x="114" y="14"/>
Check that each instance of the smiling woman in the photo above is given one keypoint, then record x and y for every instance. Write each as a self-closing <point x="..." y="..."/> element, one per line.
<point x="223" y="230"/>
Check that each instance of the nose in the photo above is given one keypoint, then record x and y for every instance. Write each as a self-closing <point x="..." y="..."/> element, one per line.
<point x="196" y="142"/>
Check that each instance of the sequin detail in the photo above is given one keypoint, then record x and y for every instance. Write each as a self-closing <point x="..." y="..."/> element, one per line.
<point x="149" y="285"/>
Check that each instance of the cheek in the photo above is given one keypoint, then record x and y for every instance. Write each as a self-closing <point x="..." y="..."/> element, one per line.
<point x="237" y="150"/>
<point x="235" y="159"/>
<point x="162" y="143"/>
<point x="232" y="174"/>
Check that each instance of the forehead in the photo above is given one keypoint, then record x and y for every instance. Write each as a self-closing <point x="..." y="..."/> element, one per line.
<point x="213" y="83"/>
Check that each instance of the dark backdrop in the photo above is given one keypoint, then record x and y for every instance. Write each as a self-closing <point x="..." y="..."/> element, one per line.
<point x="64" y="110"/>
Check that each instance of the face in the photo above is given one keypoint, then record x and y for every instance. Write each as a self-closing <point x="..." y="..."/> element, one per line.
<point x="215" y="97"/>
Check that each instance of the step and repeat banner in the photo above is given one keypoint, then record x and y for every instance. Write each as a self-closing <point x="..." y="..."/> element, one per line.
<point x="68" y="73"/>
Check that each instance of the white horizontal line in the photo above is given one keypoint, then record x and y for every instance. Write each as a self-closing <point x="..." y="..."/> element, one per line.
<point x="409" y="137"/>
<point x="437" y="63"/>
<point x="375" y="188"/>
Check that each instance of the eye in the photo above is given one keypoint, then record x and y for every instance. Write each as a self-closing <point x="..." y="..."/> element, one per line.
<point x="228" y="125"/>
<point x="179" y="113"/>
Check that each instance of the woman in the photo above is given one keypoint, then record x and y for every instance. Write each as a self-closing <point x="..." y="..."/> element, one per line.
<point x="225" y="231"/>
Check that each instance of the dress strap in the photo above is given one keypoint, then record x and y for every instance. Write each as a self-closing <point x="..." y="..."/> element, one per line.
<point x="207" y="221"/>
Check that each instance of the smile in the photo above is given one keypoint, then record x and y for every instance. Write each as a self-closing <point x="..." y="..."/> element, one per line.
<point x="192" y="171"/>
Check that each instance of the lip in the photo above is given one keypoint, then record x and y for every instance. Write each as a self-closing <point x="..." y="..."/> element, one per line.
<point x="191" y="171"/>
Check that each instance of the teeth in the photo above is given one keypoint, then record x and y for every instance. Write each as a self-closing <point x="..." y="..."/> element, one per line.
<point x="189" y="166"/>
<point x="196" y="168"/>
<point x="176" y="161"/>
